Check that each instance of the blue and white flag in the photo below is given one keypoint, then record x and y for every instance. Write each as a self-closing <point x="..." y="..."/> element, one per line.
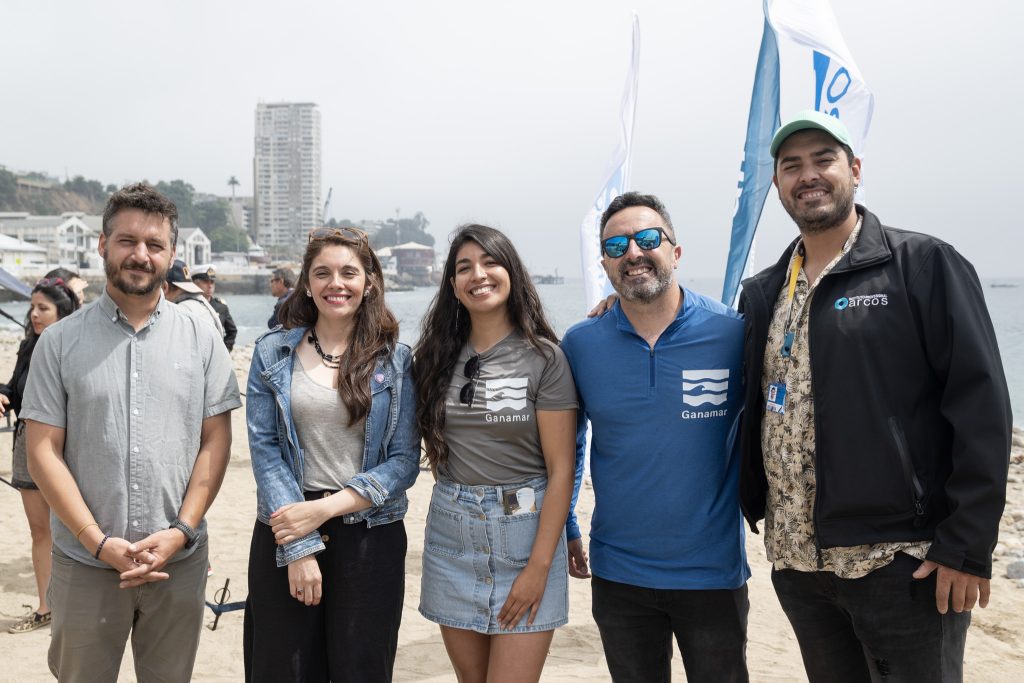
<point x="822" y="74"/>
<point x="595" y="280"/>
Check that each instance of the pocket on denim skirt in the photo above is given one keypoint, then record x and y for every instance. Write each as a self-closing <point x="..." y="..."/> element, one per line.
<point x="517" y="533"/>
<point x="444" y="533"/>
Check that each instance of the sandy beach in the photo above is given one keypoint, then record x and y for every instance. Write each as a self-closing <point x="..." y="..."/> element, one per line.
<point x="994" y="645"/>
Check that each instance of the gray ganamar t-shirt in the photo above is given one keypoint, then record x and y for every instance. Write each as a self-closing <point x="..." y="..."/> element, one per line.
<point x="132" y="405"/>
<point x="332" y="452"/>
<point x="494" y="440"/>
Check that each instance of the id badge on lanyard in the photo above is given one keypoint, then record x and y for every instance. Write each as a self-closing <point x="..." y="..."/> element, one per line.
<point x="776" y="399"/>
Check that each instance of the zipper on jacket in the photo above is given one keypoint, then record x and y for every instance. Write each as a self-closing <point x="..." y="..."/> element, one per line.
<point x="908" y="470"/>
<point x="651" y="367"/>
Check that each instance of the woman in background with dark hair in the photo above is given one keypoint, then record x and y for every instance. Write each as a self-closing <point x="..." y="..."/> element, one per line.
<point x="332" y="430"/>
<point x="497" y="410"/>
<point x="52" y="300"/>
<point x="75" y="282"/>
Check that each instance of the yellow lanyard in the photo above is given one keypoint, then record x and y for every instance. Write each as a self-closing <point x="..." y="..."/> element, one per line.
<point x="798" y="263"/>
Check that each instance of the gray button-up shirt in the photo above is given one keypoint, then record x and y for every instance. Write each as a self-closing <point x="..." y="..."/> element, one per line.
<point x="132" y="405"/>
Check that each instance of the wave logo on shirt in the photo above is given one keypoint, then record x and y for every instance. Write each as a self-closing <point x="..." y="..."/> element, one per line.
<point x="705" y="386"/>
<point x="507" y="392"/>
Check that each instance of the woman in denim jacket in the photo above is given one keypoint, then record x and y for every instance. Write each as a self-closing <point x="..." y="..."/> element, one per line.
<point x="331" y="417"/>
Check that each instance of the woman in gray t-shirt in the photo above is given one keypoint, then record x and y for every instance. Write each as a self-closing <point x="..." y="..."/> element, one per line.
<point x="496" y="407"/>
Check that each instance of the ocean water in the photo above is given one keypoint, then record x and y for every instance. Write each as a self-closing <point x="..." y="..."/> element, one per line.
<point x="565" y="306"/>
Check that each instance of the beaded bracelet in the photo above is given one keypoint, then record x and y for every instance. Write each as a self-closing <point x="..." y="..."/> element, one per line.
<point x="100" y="546"/>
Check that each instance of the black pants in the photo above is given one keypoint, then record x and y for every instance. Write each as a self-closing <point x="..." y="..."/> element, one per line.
<point x="637" y="625"/>
<point x="352" y="634"/>
<point x="881" y="627"/>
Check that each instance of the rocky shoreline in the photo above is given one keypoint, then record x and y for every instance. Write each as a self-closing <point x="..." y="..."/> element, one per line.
<point x="1008" y="558"/>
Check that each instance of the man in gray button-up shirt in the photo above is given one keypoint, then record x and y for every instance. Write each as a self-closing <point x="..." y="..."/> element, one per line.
<point x="128" y="431"/>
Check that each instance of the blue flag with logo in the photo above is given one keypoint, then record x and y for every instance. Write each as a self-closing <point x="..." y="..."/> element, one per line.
<point x="823" y="77"/>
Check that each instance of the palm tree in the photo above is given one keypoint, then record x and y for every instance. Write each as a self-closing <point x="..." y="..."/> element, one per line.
<point x="233" y="182"/>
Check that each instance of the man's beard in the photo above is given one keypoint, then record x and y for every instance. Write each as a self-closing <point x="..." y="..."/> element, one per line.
<point x="815" y="220"/>
<point x="123" y="284"/>
<point x="647" y="291"/>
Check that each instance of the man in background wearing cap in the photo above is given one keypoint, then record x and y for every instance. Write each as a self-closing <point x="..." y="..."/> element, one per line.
<point x="877" y="424"/>
<point x="180" y="289"/>
<point x="207" y="281"/>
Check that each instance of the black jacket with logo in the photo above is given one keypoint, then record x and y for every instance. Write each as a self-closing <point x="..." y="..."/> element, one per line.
<point x="911" y="410"/>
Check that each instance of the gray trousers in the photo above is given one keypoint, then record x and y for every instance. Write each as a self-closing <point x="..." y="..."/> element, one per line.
<point x="92" y="618"/>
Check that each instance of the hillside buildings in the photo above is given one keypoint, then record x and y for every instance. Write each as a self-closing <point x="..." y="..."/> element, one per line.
<point x="69" y="239"/>
<point x="286" y="171"/>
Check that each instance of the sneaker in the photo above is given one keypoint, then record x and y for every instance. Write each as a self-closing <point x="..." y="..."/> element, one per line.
<point x="209" y="570"/>
<point x="31" y="622"/>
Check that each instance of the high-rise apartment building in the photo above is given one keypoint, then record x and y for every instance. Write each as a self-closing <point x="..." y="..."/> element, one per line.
<point x="286" y="168"/>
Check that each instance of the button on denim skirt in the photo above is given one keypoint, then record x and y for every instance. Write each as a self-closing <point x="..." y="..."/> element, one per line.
<point x="473" y="552"/>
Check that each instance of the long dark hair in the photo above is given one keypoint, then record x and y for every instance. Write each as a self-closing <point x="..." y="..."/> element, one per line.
<point x="446" y="328"/>
<point x="64" y="300"/>
<point x="374" y="333"/>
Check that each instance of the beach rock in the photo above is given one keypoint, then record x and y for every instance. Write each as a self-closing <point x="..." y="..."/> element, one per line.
<point x="1017" y="440"/>
<point x="1015" y="570"/>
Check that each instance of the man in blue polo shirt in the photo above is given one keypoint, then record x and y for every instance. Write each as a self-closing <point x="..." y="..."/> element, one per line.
<point x="659" y="377"/>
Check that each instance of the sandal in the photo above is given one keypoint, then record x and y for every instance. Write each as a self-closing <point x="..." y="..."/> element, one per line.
<point x="31" y="622"/>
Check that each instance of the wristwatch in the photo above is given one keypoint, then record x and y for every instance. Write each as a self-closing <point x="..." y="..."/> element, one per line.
<point x="191" y="535"/>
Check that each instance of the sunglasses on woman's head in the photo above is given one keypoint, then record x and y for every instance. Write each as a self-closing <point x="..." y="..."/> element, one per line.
<point x="647" y="239"/>
<point x="344" y="233"/>
<point x="471" y="371"/>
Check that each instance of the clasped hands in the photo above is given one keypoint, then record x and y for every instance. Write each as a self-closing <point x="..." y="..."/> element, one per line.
<point x="143" y="561"/>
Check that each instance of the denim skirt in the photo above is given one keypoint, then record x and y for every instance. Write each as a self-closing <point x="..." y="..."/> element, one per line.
<point x="473" y="552"/>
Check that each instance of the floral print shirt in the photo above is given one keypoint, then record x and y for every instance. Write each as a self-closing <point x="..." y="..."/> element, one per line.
<point x="787" y="441"/>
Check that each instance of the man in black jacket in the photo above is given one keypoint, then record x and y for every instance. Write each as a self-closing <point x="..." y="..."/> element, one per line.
<point x="877" y="426"/>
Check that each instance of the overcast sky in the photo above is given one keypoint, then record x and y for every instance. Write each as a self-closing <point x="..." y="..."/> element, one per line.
<point x="507" y="113"/>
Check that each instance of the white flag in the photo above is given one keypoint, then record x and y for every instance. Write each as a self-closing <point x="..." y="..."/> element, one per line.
<point x="809" y="29"/>
<point x="617" y="181"/>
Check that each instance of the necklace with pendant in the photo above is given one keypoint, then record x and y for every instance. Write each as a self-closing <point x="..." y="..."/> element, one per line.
<point x="327" y="359"/>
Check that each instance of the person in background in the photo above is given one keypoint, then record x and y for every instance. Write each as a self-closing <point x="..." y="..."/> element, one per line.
<point x="331" y="414"/>
<point x="497" y="410"/>
<point x="282" y="284"/>
<point x="72" y="279"/>
<point x="52" y="300"/>
<point x="180" y="289"/>
<point x="207" y="281"/>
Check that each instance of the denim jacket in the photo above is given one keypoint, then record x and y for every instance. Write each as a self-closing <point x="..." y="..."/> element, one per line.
<point x="390" y="451"/>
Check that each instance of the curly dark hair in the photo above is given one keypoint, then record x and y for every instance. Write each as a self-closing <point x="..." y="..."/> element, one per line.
<point x="374" y="334"/>
<point x="446" y="327"/>
<point x="144" y="197"/>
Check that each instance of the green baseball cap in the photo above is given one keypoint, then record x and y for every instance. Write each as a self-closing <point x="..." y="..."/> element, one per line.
<point x="811" y="119"/>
